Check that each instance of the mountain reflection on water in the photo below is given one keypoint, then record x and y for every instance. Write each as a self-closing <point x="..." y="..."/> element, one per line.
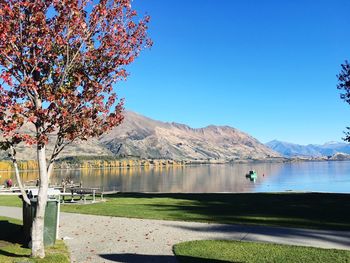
<point x="303" y="176"/>
<point x="197" y="179"/>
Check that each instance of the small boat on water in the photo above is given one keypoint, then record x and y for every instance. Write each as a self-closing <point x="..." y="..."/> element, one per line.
<point x="252" y="175"/>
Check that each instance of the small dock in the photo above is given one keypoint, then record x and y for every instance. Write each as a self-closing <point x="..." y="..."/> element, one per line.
<point x="84" y="192"/>
<point x="73" y="191"/>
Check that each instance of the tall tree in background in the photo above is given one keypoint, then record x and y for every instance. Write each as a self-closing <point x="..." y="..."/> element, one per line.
<point x="344" y="86"/>
<point x="59" y="60"/>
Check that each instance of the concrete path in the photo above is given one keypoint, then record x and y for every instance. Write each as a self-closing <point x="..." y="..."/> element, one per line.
<point x="113" y="239"/>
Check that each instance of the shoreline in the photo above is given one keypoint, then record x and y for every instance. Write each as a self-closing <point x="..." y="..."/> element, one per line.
<point x="86" y="163"/>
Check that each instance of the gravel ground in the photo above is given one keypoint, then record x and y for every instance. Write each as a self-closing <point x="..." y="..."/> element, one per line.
<point x="112" y="239"/>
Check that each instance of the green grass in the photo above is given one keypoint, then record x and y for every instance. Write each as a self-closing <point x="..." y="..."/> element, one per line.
<point x="217" y="251"/>
<point x="10" y="200"/>
<point x="12" y="249"/>
<point x="306" y="210"/>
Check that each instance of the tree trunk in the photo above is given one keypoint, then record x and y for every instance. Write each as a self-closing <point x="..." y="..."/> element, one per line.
<point x="38" y="223"/>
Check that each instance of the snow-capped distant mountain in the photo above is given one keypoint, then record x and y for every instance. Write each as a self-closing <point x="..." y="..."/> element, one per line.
<point x="312" y="150"/>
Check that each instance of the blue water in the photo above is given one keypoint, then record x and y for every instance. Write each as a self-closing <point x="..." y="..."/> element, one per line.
<point x="309" y="176"/>
<point x="272" y="177"/>
<point x="275" y="177"/>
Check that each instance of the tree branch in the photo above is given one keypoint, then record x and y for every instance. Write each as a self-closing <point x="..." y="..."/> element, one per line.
<point x="18" y="178"/>
<point x="88" y="36"/>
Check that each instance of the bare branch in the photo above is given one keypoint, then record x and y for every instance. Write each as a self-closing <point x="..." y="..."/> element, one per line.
<point x="18" y="178"/>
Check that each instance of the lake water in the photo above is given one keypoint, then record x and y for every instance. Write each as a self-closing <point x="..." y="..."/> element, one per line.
<point x="272" y="177"/>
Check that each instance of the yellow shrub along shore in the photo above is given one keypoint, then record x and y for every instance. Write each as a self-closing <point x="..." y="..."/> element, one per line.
<point x="74" y="164"/>
<point x="29" y="168"/>
<point x="118" y="163"/>
<point x="22" y="165"/>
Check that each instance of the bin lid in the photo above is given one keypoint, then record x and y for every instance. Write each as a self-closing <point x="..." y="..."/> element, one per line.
<point x="50" y="192"/>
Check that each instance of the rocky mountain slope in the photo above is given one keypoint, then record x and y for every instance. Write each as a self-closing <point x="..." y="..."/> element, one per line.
<point x="139" y="136"/>
<point x="146" y="138"/>
<point x="91" y="147"/>
<point x="312" y="150"/>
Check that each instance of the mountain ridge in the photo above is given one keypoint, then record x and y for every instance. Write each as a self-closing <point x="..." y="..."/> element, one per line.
<point x="155" y="139"/>
<point x="142" y="137"/>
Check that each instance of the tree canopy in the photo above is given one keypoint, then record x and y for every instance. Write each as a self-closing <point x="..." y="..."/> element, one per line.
<point x="59" y="61"/>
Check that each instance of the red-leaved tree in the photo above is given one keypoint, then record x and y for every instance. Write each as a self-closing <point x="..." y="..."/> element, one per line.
<point x="59" y="60"/>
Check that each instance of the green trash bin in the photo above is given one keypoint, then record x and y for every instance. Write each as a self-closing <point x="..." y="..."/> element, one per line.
<point x="50" y="221"/>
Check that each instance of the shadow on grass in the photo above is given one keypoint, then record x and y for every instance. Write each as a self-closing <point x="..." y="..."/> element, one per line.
<point x="295" y="236"/>
<point x="10" y="234"/>
<point x="306" y="210"/>
<point x="137" y="258"/>
<point x="299" y="210"/>
<point x="244" y="212"/>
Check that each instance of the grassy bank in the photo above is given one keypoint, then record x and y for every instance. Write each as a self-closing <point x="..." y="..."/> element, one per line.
<point x="12" y="249"/>
<point x="306" y="210"/>
<point x="217" y="251"/>
<point x="10" y="200"/>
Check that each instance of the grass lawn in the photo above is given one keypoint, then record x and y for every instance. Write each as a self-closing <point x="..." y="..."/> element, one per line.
<point x="217" y="251"/>
<point x="306" y="210"/>
<point x="12" y="249"/>
<point x="10" y="200"/>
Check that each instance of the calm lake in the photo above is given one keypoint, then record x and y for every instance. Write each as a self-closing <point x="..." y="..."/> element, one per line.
<point x="272" y="177"/>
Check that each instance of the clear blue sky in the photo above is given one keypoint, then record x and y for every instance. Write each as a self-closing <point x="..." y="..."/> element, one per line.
<point x="267" y="68"/>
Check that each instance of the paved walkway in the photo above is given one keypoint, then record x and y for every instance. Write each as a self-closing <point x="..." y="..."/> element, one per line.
<point x="113" y="239"/>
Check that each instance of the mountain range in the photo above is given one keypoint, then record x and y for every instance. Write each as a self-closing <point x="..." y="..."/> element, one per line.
<point x="146" y="138"/>
<point x="142" y="137"/>
<point x="287" y="149"/>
